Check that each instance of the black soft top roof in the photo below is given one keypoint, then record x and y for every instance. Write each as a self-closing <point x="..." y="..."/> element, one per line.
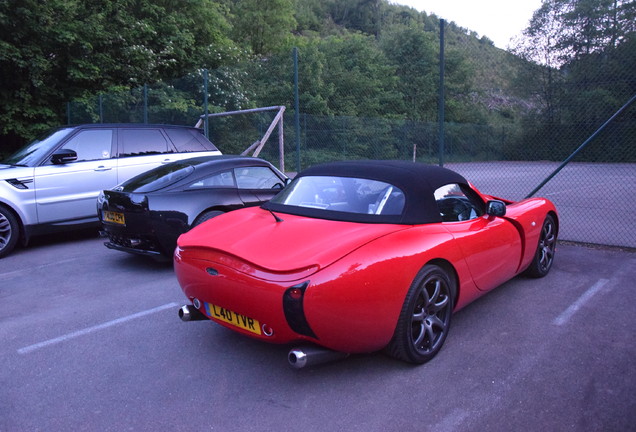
<point x="418" y="182"/>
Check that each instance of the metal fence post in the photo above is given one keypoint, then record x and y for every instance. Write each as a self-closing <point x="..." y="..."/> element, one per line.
<point x="206" y="121"/>
<point x="145" y="103"/>
<point x="296" y="110"/>
<point x="441" y="93"/>
<point x="101" y="108"/>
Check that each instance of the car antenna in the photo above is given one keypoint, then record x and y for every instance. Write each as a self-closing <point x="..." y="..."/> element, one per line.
<point x="278" y="219"/>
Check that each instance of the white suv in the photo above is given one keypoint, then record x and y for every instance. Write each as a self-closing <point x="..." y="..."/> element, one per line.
<point x="52" y="184"/>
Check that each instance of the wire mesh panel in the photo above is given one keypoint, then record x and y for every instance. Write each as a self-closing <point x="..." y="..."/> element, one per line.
<point x="505" y="135"/>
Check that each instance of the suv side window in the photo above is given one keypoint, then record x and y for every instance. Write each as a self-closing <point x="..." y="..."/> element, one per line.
<point x="188" y="140"/>
<point x="91" y="144"/>
<point x="140" y="142"/>
<point x="457" y="205"/>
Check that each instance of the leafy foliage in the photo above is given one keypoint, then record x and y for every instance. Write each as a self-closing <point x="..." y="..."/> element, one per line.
<point x="59" y="50"/>
<point x="358" y="60"/>
<point x="263" y="29"/>
<point x="581" y="54"/>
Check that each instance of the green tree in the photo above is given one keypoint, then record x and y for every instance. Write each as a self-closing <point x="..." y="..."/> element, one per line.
<point x="361" y="15"/>
<point x="272" y="80"/>
<point x="264" y="26"/>
<point x="582" y="50"/>
<point x="311" y="16"/>
<point x="338" y="75"/>
<point x="363" y="81"/>
<point x="594" y="25"/>
<point x="415" y="55"/>
<point x="398" y="15"/>
<point x="539" y="47"/>
<point x="58" y="50"/>
<point x="563" y="30"/>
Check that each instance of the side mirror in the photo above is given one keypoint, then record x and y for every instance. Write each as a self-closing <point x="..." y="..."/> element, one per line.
<point x="63" y="156"/>
<point x="496" y="208"/>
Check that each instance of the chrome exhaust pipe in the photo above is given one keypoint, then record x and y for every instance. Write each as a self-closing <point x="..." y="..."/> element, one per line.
<point x="310" y="356"/>
<point x="190" y="313"/>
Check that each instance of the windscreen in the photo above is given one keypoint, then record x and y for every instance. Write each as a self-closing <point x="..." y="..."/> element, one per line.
<point x="32" y="154"/>
<point x="158" y="178"/>
<point x="343" y="194"/>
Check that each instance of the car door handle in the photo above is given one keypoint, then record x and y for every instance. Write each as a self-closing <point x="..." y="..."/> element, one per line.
<point x="103" y="168"/>
<point x="165" y="161"/>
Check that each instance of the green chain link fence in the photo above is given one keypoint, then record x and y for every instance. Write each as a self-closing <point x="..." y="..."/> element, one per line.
<point x="506" y="146"/>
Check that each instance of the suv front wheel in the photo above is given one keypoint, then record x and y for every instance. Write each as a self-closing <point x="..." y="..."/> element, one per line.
<point x="8" y="231"/>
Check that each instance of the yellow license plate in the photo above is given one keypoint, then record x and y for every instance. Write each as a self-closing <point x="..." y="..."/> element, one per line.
<point x="114" y="217"/>
<point x="233" y="318"/>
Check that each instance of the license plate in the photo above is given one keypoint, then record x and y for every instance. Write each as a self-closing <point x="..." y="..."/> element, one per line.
<point x="233" y="318"/>
<point x="114" y="217"/>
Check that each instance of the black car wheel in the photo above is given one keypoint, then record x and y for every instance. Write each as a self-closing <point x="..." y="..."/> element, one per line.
<point x="425" y="318"/>
<point x="8" y="231"/>
<point x="206" y="216"/>
<point x="544" y="257"/>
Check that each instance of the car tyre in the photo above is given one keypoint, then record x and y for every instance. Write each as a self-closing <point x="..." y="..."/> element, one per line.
<point x="206" y="216"/>
<point x="9" y="231"/>
<point x="425" y="318"/>
<point x="544" y="256"/>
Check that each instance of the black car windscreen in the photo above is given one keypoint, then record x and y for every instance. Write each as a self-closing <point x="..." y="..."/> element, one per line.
<point x="158" y="178"/>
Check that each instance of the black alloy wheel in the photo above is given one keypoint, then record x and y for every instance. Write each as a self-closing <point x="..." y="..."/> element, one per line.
<point x="544" y="257"/>
<point x="425" y="318"/>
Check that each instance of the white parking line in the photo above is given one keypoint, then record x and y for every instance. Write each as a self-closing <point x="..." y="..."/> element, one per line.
<point x="88" y="330"/>
<point x="30" y="269"/>
<point x="567" y="314"/>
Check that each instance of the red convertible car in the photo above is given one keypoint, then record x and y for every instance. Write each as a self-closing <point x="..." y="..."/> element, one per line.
<point x="360" y="256"/>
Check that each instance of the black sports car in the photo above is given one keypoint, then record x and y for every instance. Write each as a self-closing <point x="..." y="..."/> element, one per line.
<point x="146" y="214"/>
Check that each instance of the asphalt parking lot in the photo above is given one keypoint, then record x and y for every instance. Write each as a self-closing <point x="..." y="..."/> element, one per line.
<point x="90" y="340"/>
